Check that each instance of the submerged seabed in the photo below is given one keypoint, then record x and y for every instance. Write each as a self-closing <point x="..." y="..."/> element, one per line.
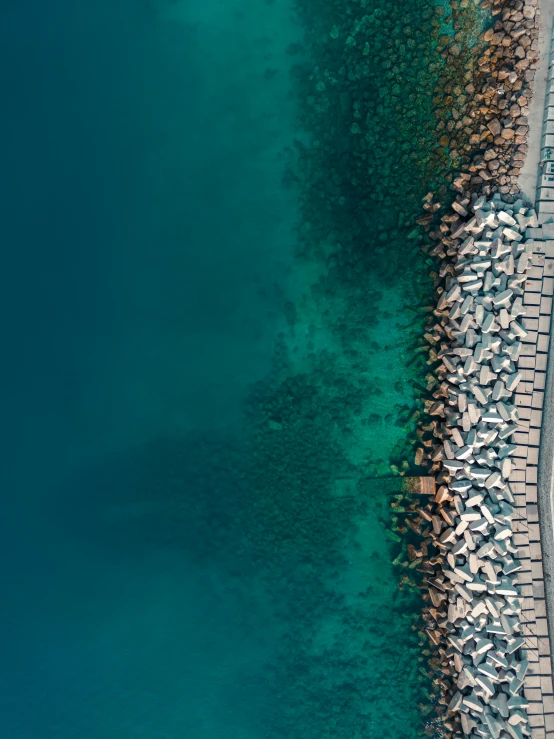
<point x="251" y="590"/>
<point x="292" y="508"/>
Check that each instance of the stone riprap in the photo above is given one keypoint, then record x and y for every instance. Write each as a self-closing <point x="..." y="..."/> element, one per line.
<point x="497" y="119"/>
<point x="483" y="524"/>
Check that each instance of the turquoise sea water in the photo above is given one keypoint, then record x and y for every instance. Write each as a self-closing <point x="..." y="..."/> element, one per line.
<point x="211" y="306"/>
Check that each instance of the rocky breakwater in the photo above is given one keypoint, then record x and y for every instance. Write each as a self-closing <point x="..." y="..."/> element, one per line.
<point x="475" y="600"/>
<point x="485" y="124"/>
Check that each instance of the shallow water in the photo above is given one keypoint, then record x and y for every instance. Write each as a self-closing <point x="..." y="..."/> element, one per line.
<point x="212" y="294"/>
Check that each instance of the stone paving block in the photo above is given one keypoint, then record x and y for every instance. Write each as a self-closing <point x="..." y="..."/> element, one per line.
<point x="532" y="694"/>
<point x="549" y="722"/>
<point x="537" y="726"/>
<point x="521" y="539"/>
<point x="540" y="380"/>
<point x="546" y="206"/>
<point x="548" y="285"/>
<point x="544" y="324"/>
<point x="523" y="400"/>
<point x="540" y="607"/>
<point x="533" y="455"/>
<point x="533" y="311"/>
<point x="531" y="324"/>
<point x="536" y="273"/>
<point x="536" y="418"/>
<point x="531" y="493"/>
<point x="545" y="666"/>
<point x="521" y="437"/>
<point x="531" y="642"/>
<point x="517" y="475"/>
<point x="533" y="517"/>
<point x="528" y="375"/>
<point x="531" y="475"/>
<point x="528" y="629"/>
<point x="534" y="435"/>
<point x="528" y="350"/>
<point x="534" y="534"/>
<point x="525" y="578"/>
<point x="531" y="298"/>
<point x="544" y="646"/>
<point x="538" y="592"/>
<point x="533" y="681"/>
<point x="546" y="304"/>
<point x="520" y="502"/>
<point x="521" y="451"/>
<point x="546" y="685"/>
<point x="542" y="342"/>
<point x="538" y="399"/>
<point x="520" y="525"/>
<point x="545" y="194"/>
<point x="541" y="361"/>
<point x="533" y="286"/>
<point x="519" y="463"/>
<point x="535" y="550"/>
<point x="526" y="363"/>
<point x="535" y="709"/>
<point x="536" y="564"/>
<point x="538" y="260"/>
<point x="531" y="337"/>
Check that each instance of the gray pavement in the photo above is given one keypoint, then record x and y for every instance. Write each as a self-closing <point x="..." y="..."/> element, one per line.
<point x="531" y="170"/>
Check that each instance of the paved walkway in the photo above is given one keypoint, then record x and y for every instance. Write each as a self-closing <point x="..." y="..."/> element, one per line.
<point x="534" y="475"/>
<point x="532" y="540"/>
<point x="530" y="174"/>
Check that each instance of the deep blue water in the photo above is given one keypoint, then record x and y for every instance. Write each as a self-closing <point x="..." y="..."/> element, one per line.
<point x="191" y="402"/>
<point x="138" y="271"/>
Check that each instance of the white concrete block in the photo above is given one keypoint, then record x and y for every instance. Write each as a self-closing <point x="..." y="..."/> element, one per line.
<point x="545" y="193"/>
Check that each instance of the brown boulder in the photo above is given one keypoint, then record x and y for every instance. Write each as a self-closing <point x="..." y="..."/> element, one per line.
<point x="494" y="126"/>
<point x="528" y="11"/>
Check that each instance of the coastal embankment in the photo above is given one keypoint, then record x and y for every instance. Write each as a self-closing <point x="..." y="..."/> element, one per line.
<point x="487" y="611"/>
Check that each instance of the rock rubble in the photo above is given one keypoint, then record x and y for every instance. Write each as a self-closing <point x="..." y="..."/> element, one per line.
<point x="485" y="125"/>
<point x="475" y="600"/>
